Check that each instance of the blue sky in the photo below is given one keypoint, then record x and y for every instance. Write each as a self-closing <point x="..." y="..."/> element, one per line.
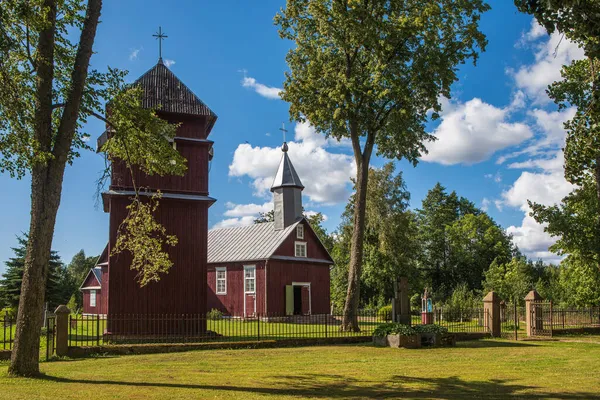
<point x="499" y="138"/>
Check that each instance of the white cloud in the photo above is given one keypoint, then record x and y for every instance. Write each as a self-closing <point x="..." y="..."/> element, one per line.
<point x="269" y="92"/>
<point x="234" y="222"/>
<point x="550" y="56"/>
<point x="471" y="132"/>
<point x="532" y="240"/>
<point x="310" y="213"/>
<point x="134" y="53"/>
<point x="485" y="204"/>
<point x="499" y="205"/>
<point x="169" y="63"/>
<point x="245" y="210"/>
<point x="325" y="175"/>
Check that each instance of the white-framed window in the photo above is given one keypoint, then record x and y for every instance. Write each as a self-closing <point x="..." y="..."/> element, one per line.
<point x="92" y="298"/>
<point x="221" y="273"/>
<point x="249" y="279"/>
<point x="300" y="232"/>
<point x="300" y="249"/>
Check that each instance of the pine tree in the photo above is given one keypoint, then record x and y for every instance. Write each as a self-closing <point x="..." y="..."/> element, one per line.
<point x="59" y="286"/>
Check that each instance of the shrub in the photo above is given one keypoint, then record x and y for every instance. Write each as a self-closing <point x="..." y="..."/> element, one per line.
<point x="393" y="329"/>
<point x="431" y="328"/>
<point x="385" y="313"/>
<point x="214" y="314"/>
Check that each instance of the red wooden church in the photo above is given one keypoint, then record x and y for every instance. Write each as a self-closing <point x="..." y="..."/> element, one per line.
<point x="183" y="210"/>
<point x="273" y="268"/>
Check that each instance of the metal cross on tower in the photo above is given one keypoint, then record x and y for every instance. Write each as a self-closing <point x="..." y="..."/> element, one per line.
<point x="282" y="129"/>
<point x="160" y="36"/>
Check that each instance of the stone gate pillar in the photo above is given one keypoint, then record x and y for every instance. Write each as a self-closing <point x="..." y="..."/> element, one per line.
<point x="491" y="317"/>
<point x="533" y="313"/>
<point x="62" y="330"/>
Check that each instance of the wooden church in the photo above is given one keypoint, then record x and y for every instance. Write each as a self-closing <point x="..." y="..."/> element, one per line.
<point x="273" y="268"/>
<point x="183" y="209"/>
<point x="279" y="267"/>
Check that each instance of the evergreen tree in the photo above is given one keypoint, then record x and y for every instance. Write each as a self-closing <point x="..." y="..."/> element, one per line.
<point x="59" y="286"/>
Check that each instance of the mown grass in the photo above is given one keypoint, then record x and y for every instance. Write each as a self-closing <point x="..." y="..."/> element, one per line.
<point x="491" y="369"/>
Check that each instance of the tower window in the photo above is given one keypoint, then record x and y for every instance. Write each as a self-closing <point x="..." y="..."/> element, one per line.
<point x="300" y="249"/>
<point x="300" y="232"/>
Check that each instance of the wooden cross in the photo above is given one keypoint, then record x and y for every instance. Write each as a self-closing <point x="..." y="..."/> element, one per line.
<point x="282" y="129"/>
<point x="160" y="36"/>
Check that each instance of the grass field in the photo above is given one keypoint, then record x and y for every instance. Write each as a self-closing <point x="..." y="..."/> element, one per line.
<point x="492" y="369"/>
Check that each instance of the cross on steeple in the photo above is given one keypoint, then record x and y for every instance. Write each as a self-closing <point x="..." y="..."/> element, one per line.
<point x="160" y="36"/>
<point x="282" y="129"/>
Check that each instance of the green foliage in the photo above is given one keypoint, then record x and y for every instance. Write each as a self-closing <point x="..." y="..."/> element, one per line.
<point x="144" y="239"/>
<point x="578" y="20"/>
<point x="385" y="313"/>
<point x="462" y="301"/>
<point x="214" y="314"/>
<point x="512" y="281"/>
<point x="390" y="243"/>
<point x="78" y="269"/>
<point x="580" y="280"/>
<point x="371" y="71"/>
<point x="573" y="222"/>
<point x="459" y="242"/>
<point x="59" y="285"/>
<point x="393" y="328"/>
<point x="379" y="65"/>
<point x="431" y="328"/>
<point x="265" y="217"/>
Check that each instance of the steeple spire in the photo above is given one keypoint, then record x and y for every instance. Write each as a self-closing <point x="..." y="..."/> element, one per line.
<point x="160" y="36"/>
<point x="287" y="192"/>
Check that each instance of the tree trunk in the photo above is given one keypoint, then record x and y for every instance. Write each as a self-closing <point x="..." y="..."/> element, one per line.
<point x="362" y="158"/>
<point x="26" y="349"/>
<point x="350" y="320"/>
<point x="46" y="183"/>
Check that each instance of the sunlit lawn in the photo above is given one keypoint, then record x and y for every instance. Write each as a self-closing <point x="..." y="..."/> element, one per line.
<point x="487" y="369"/>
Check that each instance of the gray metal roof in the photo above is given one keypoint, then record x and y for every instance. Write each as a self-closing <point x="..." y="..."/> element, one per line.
<point x="98" y="272"/>
<point x="246" y="243"/>
<point x="164" y="91"/>
<point x="286" y="173"/>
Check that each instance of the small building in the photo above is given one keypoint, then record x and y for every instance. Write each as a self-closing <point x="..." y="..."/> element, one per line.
<point x="273" y="268"/>
<point x="94" y="301"/>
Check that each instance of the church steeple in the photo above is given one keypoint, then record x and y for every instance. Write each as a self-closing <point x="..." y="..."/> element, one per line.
<point x="287" y="192"/>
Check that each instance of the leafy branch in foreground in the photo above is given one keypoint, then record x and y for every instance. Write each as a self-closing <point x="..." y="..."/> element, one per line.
<point x="143" y="237"/>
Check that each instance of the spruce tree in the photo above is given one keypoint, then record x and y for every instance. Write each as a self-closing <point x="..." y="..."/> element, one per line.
<point x="59" y="286"/>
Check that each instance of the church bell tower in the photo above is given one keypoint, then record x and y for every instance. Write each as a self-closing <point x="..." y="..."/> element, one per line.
<point x="287" y="192"/>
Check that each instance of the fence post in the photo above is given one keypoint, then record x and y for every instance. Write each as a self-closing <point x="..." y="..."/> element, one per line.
<point x="532" y="312"/>
<point x="62" y="330"/>
<point x="491" y="307"/>
<point x="258" y="329"/>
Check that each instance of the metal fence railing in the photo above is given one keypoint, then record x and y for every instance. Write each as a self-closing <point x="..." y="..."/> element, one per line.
<point x="575" y="318"/>
<point x="470" y="320"/>
<point x="47" y="340"/>
<point x="93" y="330"/>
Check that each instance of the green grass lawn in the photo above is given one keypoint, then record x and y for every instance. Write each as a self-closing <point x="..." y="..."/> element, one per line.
<point x="486" y="369"/>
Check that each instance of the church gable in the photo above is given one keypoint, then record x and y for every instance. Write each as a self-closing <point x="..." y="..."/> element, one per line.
<point x="304" y="236"/>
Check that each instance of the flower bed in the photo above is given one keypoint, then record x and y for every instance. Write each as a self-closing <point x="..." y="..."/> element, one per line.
<point x="400" y="335"/>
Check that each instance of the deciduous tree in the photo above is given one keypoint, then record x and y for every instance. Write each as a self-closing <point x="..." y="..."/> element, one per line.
<point x="371" y="71"/>
<point x="47" y="92"/>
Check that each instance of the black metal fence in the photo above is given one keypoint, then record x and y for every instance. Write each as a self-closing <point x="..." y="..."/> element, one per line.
<point x="8" y="332"/>
<point x="469" y="320"/>
<point x="94" y="330"/>
<point x="47" y="340"/>
<point x="513" y="322"/>
<point x="574" y="318"/>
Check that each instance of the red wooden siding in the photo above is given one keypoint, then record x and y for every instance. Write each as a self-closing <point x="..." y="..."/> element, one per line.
<point x="183" y="289"/>
<point x="232" y="303"/>
<point x="195" y="180"/>
<point x="87" y="308"/>
<point x="282" y="273"/>
<point x="313" y="247"/>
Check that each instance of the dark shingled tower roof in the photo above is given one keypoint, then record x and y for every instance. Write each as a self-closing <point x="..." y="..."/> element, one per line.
<point x="165" y="92"/>
<point x="286" y="174"/>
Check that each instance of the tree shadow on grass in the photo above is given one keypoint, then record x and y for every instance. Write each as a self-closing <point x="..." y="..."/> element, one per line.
<point x="342" y="387"/>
